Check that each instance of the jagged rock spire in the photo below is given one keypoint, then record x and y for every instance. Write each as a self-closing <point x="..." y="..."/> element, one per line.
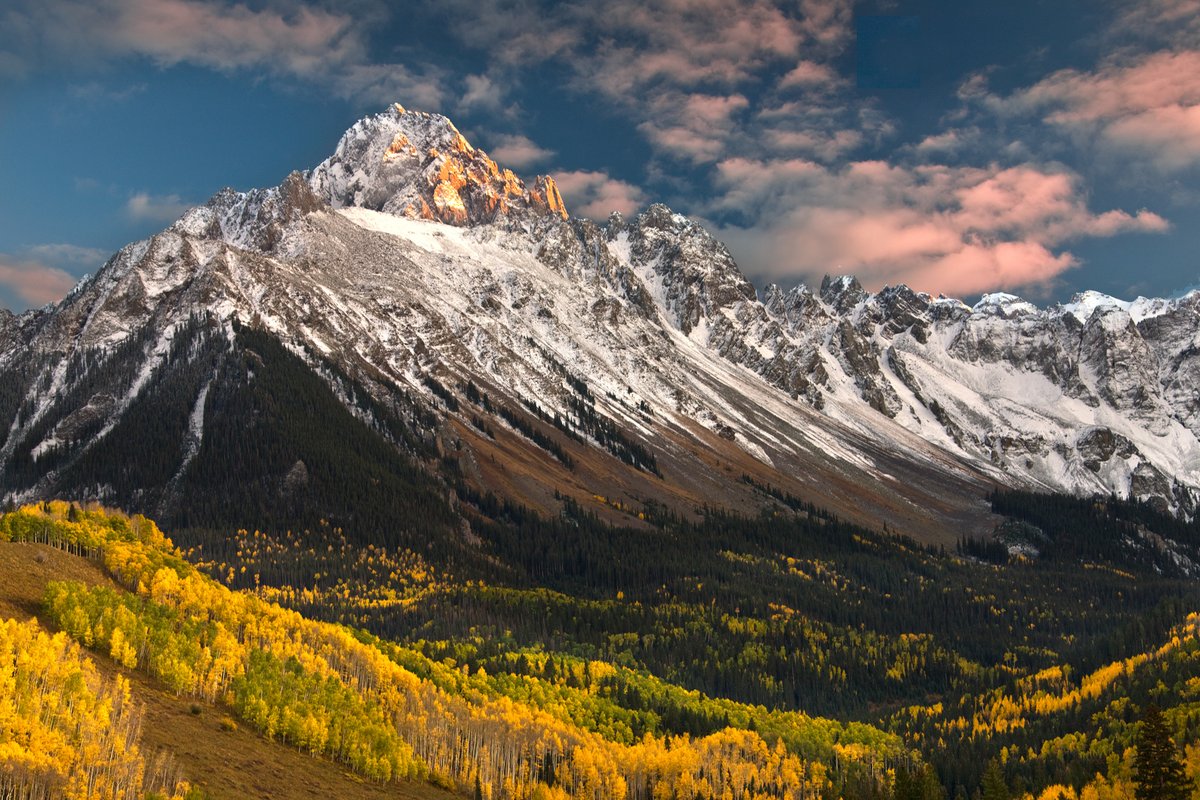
<point x="417" y="164"/>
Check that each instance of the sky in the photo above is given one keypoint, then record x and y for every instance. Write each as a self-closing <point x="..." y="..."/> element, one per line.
<point x="1041" y="147"/>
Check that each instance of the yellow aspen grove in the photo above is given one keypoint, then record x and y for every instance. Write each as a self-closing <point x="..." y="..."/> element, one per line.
<point x="65" y="732"/>
<point x="324" y="689"/>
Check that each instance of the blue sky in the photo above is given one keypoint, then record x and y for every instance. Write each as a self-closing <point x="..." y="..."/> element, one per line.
<point x="1036" y="146"/>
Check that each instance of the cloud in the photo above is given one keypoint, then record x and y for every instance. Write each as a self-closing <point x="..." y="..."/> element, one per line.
<point x="810" y="74"/>
<point x="97" y="93"/>
<point x="1172" y="22"/>
<point x="946" y="142"/>
<point x="687" y="69"/>
<point x="33" y="282"/>
<point x="682" y="71"/>
<point x="518" y="152"/>
<point x="145" y="207"/>
<point x="288" y="39"/>
<point x="1147" y="107"/>
<point x="1169" y="136"/>
<point x="695" y="127"/>
<point x="480" y="93"/>
<point x="383" y="84"/>
<point x="958" y="230"/>
<point x="68" y="254"/>
<point x="596" y="195"/>
<point x="296" y="38"/>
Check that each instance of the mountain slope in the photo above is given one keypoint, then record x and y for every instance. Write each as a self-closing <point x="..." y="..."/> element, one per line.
<point x="394" y="715"/>
<point x="474" y="328"/>
<point x="221" y="760"/>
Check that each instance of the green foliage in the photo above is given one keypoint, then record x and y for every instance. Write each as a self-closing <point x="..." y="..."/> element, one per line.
<point x="320" y="715"/>
<point x="994" y="786"/>
<point x="267" y="412"/>
<point x="1158" y="773"/>
<point x="1101" y="529"/>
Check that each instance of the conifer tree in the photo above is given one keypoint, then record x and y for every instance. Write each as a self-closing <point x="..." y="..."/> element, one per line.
<point x="994" y="786"/>
<point x="1158" y="772"/>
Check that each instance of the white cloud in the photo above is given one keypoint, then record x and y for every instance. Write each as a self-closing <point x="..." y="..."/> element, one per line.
<point x="518" y="152"/>
<point x="68" y="254"/>
<point x="146" y="207"/>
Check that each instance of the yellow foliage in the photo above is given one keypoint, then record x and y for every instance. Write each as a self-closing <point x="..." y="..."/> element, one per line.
<point x="456" y="738"/>
<point x="62" y="726"/>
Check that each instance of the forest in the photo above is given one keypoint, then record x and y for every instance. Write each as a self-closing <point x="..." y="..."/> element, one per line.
<point x="791" y="655"/>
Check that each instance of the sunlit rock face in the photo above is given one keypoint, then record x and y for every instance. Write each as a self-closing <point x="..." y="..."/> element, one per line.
<point x="418" y="165"/>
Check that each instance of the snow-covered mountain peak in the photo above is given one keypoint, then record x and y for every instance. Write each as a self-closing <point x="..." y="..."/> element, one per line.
<point x="1084" y="304"/>
<point x="1004" y="305"/>
<point x="842" y="293"/>
<point x="692" y="276"/>
<point x="418" y="165"/>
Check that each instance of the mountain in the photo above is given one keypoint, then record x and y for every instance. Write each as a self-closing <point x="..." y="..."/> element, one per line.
<point x="409" y="326"/>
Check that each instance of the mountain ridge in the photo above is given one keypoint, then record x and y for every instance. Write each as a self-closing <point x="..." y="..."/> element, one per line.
<point x="602" y="340"/>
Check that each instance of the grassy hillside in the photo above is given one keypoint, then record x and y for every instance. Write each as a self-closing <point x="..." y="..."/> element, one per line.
<point x="198" y="746"/>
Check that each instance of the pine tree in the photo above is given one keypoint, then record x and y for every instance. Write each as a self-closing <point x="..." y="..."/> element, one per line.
<point x="994" y="786"/>
<point x="1158" y="772"/>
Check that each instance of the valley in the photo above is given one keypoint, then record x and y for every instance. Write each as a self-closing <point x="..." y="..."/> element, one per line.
<point x="467" y="497"/>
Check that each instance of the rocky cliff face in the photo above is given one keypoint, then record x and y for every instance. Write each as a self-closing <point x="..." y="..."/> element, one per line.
<point x="417" y="165"/>
<point x="412" y="266"/>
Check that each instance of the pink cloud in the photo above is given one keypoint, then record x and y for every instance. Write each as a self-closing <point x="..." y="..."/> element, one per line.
<point x="682" y="69"/>
<point x="1119" y="89"/>
<point x="810" y="74"/>
<point x="946" y="142"/>
<point x="978" y="268"/>
<point x="827" y="146"/>
<point x="299" y="40"/>
<point x="596" y="195"/>
<point x="695" y="127"/>
<point x="828" y="22"/>
<point x="172" y="31"/>
<point x="1176" y="22"/>
<point x="1170" y="134"/>
<point x="518" y="152"/>
<point x="1148" y="107"/>
<point x="34" y="282"/>
<point x="683" y="142"/>
<point x="957" y="230"/>
<point x="714" y="109"/>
